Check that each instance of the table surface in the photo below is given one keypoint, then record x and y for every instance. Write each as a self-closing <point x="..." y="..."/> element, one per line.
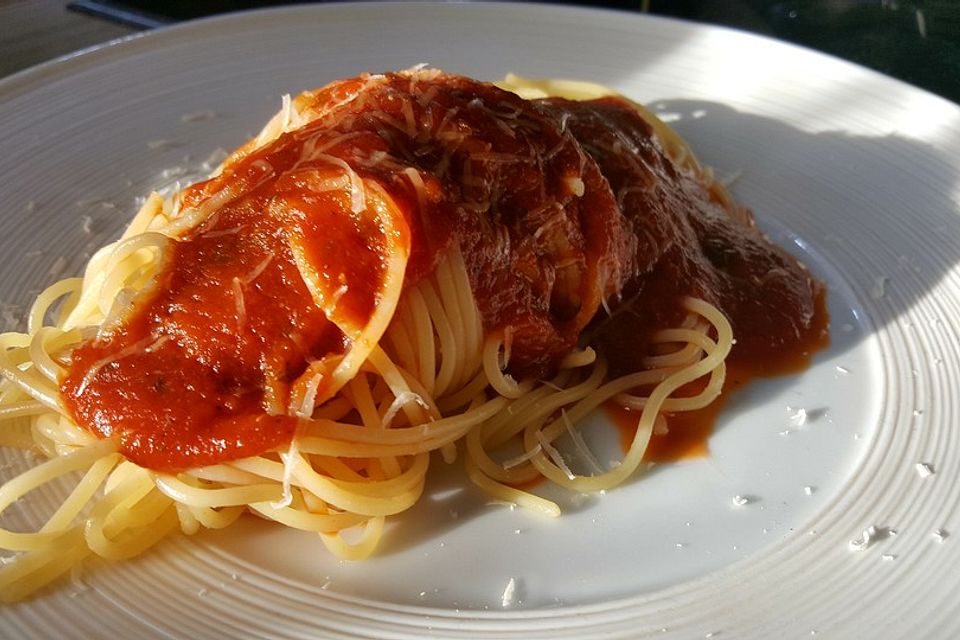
<point x="34" y="31"/>
<point x="917" y="41"/>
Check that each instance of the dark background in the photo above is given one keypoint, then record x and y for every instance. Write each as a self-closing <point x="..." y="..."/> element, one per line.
<point x="917" y="41"/>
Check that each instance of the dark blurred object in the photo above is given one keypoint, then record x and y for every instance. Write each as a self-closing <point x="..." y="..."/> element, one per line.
<point x="917" y="41"/>
<point x="150" y="14"/>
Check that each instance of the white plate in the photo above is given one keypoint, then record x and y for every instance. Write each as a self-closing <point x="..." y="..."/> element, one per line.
<point x="854" y="172"/>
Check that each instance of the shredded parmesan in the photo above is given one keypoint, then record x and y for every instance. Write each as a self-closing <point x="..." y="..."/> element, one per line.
<point x="311" y="151"/>
<point x="159" y="342"/>
<point x="924" y="469"/>
<point x="557" y="217"/>
<point x="289" y="463"/>
<point x="214" y="160"/>
<point x="606" y="307"/>
<point x="547" y="383"/>
<point x="336" y="296"/>
<point x="309" y="397"/>
<point x="263" y="166"/>
<point x="427" y="96"/>
<point x="519" y="460"/>
<point x="728" y="181"/>
<point x="147" y="345"/>
<point x="398" y="403"/>
<point x="173" y="172"/>
<point x="660" y="426"/>
<point x="58" y="266"/>
<point x="579" y="443"/>
<point x="253" y="275"/>
<point x="200" y="116"/>
<point x="509" y="592"/>
<point x="240" y="304"/>
<point x="222" y="232"/>
<point x="358" y="201"/>
<point x="286" y="108"/>
<point x="576" y="186"/>
<point x="416" y="180"/>
<point x="503" y="125"/>
<point x="555" y="149"/>
<point x="867" y="538"/>
<point x="160" y="145"/>
<point x="879" y="289"/>
<point x="508" y="332"/>
<point x="407" y="109"/>
<point x="446" y="135"/>
<point x="798" y="418"/>
<point x="502" y="158"/>
<point x="555" y="456"/>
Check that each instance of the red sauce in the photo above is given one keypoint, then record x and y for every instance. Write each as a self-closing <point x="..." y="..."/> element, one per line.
<point x="193" y="392"/>
<point x="551" y="215"/>
<point x="688" y="432"/>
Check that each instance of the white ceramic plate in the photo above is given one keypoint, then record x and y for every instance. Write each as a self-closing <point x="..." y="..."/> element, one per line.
<point x="857" y="174"/>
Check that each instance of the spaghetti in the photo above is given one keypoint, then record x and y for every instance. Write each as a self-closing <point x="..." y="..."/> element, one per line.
<point x="396" y="265"/>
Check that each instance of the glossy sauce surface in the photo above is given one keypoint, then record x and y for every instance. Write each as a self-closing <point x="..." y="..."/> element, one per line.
<point x="201" y="370"/>
<point x="555" y="206"/>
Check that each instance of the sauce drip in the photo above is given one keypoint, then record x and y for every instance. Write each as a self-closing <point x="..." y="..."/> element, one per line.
<point x="688" y="432"/>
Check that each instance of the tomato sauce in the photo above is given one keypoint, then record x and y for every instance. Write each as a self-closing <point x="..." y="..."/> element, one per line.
<point x="688" y="432"/>
<point x="556" y="207"/>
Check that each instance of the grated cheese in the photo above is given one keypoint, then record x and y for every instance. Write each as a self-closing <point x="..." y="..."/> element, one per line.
<point x="253" y="275"/>
<point x="398" y="403"/>
<point x="728" y="181"/>
<point x="146" y="345"/>
<point x="579" y="443"/>
<point x="509" y="593"/>
<point x="519" y="460"/>
<point x="606" y="307"/>
<point x="58" y="266"/>
<point x="576" y="186"/>
<point x="222" y="232"/>
<point x="798" y="418"/>
<point x="289" y="463"/>
<point x="508" y="332"/>
<point x="416" y="180"/>
<point x="407" y="109"/>
<point x="240" y="304"/>
<point x="545" y="383"/>
<point x="358" y="201"/>
<point x="879" y="289"/>
<point x="427" y="97"/>
<point x="215" y="159"/>
<point x="555" y="456"/>
<point x="309" y="397"/>
<point x="502" y="158"/>
<point x="867" y="538"/>
<point x="200" y="116"/>
<point x="335" y="297"/>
